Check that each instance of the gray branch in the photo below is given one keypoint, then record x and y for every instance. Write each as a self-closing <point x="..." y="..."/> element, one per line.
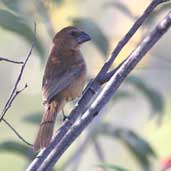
<point x="66" y="135"/>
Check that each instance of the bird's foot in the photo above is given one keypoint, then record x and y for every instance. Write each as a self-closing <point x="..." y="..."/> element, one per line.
<point x="65" y="117"/>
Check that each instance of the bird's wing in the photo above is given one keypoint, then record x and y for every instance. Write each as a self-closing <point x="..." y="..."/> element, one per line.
<point x="58" y="81"/>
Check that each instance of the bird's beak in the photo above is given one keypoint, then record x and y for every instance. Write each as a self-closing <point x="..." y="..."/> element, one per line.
<point x="83" y="37"/>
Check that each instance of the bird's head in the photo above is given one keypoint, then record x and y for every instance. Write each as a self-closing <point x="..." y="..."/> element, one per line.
<point x="70" y="38"/>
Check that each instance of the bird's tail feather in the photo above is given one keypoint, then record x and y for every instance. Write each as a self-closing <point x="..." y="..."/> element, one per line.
<point x="46" y="127"/>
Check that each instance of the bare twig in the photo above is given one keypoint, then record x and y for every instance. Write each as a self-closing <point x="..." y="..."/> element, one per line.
<point x="9" y="60"/>
<point x="14" y="91"/>
<point x="47" y="158"/>
<point x="98" y="150"/>
<point x="13" y="97"/>
<point x="17" y="134"/>
<point x="10" y="126"/>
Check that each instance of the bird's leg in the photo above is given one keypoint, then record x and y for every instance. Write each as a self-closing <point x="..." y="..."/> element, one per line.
<point x="65" y="117"/>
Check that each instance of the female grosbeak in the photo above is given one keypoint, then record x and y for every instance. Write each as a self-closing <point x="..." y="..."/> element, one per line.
<point x="64" y="79"/>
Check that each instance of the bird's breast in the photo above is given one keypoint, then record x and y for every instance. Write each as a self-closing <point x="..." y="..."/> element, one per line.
<point x="76" y="87"/>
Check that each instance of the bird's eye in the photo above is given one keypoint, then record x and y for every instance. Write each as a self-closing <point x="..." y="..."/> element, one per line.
<point x="75" y="33"/>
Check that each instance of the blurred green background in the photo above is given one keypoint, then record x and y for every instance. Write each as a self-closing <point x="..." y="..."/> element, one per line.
<point x="133" y="133"/>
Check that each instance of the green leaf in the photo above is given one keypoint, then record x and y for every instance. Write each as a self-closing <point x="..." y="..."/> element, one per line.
<point x="33" y="118"/>
<point x="58" y="2"/>
<point x="15" y="24"/>
<point x="139" y="147"/>
<point x="112" y="167"/>
<point x="164" y="7"/>
<point x="98" y="37"/>
<point x="122" y="94"/>
<point x="43" y="11"/>
<point x="122" y="8"/>
<point x="14" y="147"/>
<point x="153" y="96"/>
<point x="13" y="5"/>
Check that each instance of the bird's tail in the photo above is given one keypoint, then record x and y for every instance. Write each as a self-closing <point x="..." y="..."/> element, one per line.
<point x="47" y="125"/>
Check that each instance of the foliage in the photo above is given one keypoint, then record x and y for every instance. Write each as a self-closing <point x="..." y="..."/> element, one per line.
<point x="98" y="37"/>
<point x="128" y="13"/>
<point x="122" y="8"/>
<point x="33" y="118"/>
<point x="154" y="97"/>
<point x="138" y="146"/>
<point x="15" y="147"/>
<point x="112" y="167"/>
<point x="17" y="25"/>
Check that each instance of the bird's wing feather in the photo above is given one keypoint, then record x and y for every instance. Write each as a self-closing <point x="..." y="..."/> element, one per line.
<point x="60" y="81"/>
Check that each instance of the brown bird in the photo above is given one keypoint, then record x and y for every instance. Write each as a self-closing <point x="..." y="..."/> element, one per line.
<point x="64" y="79"/>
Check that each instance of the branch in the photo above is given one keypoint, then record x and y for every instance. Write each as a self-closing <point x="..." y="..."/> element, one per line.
<point x="14" y="91"/>
<point x="129" y="35"/>
<point x="12" y="98"/>
<point x="48" y="157"/>
<point x="8" y="60"/>
<point x="98" y="150"/>
<point x="17" y="134"/>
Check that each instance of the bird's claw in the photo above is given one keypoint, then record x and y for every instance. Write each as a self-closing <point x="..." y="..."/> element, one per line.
<point x="65" y="118"/>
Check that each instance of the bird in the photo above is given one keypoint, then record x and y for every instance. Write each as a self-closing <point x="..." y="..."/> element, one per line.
<point x="64" y="78"/>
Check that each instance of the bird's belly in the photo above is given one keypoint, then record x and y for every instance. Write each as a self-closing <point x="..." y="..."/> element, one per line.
<point x="75" y="89"/>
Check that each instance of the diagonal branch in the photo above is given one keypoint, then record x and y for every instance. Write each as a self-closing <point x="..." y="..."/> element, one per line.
<point x="129" y="35"/>
<point x="47" y="158"/>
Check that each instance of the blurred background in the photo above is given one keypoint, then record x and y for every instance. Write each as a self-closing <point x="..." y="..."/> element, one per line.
<point x="133" y="132"/>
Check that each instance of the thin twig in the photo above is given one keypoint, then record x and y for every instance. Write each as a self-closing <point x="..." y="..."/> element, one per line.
<point x="14" y="91"/>
<point x="9" y="60"/>
<point x="14" y="96"/>
<point x="47" y="158"/>
<point x="98" y="150"/>
<point x="16" y="132"/>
